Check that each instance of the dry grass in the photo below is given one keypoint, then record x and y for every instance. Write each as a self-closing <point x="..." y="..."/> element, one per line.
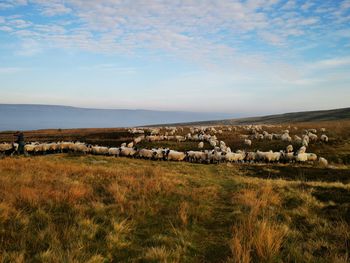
<point x="64" y="208"/>
<point x="257" y="237"/>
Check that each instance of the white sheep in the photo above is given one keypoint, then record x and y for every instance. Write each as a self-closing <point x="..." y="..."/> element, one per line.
<point x="175" y="155"/>
<point x="114" y="151"/>
<point x="324" y="138"/>
<point x="312" y="130"/>
<point x="311" y="157"/>
<point x="159" y="153"/>
<point x="215" y="156"/>
<point x="268" y="137"/>
<point x="138" y="139"/>
<point x="145" y="153"/>
<point x="312" y="136"/>
<point x="286" y="138"/>
<point x="201" y="145"/>
<point x="197" y="156"/>
<point x="130" y="145"/>
<point x="297" y="139"/>
<point x="302" y="149"/>
<point x="99" y="150"/>
<point x="248" y="142"/>
<point x="234" y="157"/>
<point x="301" y="157"/>
<point x="251" y="156"/>
<point x="126" y="151"/>
<point x="289" y="148"/>
<point x="323" y="162"/>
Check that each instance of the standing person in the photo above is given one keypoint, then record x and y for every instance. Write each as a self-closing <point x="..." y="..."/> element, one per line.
<point x="20" y="140"/>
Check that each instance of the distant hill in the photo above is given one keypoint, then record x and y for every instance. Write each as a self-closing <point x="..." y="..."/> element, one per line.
<point x="32" y="117"/>
<point x="305" y="116"/>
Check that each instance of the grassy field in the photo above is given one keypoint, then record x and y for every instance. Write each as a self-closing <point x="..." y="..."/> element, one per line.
<point x="71" y="208"/>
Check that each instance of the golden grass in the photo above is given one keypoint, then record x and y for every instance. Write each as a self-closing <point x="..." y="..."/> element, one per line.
<point x="63" y="208"/>
<point x="257" y="236"/>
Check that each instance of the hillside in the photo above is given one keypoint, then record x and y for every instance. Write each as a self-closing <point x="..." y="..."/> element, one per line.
<point x="293" y="117"/>
<point x="32" y="117"/>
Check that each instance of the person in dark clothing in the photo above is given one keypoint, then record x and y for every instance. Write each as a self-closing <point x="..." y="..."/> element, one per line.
<point x="20" y="140"/>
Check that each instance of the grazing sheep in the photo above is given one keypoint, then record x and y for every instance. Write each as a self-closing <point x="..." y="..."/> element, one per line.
<point x="114" y="151"/>
<point x="301" y="157"/>
<point x="179" y="138"/>
<point x="215" y="156"/>
<point x="251" y="156"/>
<point x="297" y="139"/>
<point x="265" y="156"/>
<point x="212" y="143"/>
<point x="126" y="151"/>
<point x="312" y="130"/>
<point x="276" y="156"/>
<point x="277" y="136"/>
<point x="234" y="157"/>
<point x="268" y="137"/>
<point x="288" y="157"/>
<point x="29" y="148"/>
<point x="311" y="157"/>
<point x="145" y="153"/>
<point x="324" y="138"/>
<point x="197" y="156"/>
<point x="248" y="142"/>
<point x="130" y="145"/>
<point x="159" y="154"/>
<point x="286" y="138"/>
<point x="99" y="150"/>
<point x="175" y="155"/>
<point x="7" y="148"/>
<point x="312" y="136"/>
<point x="302" y="149"/>
<point x="83" y="148"/>
<point x="323" y="162"/>
<point x="138" y="140"/>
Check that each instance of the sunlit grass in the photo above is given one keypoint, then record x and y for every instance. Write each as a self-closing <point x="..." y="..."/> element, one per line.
<point x="68" y="208"/>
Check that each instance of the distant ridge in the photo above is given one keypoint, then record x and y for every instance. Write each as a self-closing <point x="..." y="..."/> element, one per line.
<point x="34" y="117"/>
<point x="304" y="116"/>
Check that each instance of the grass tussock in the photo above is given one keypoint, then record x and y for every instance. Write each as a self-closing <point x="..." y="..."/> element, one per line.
<point x="256" y="236"/>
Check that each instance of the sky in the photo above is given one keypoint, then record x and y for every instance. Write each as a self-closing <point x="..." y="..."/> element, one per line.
<point x="247" y="57"/>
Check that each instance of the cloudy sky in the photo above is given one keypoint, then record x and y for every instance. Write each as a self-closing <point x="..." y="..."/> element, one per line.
<point x="234" y="56"/>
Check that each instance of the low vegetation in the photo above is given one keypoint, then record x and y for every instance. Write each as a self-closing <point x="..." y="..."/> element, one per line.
<point x="71" y="208"/>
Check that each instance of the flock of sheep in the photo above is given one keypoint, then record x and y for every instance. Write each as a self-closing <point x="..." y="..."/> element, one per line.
<point x="218" y="152"/>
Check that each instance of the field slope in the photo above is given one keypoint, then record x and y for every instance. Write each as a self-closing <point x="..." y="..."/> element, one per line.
<point x="293" y="117"/>
<point x="70" y="208"/>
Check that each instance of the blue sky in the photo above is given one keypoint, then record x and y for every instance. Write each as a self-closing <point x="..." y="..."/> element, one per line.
<point x="241" y="57"/>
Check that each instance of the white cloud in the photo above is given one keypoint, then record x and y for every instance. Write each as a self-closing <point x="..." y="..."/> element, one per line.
<point x="331" y="63"/>
<point x="6" y="29"/>
<point x="206" y="32"/>
<point x="10" y="70"/>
